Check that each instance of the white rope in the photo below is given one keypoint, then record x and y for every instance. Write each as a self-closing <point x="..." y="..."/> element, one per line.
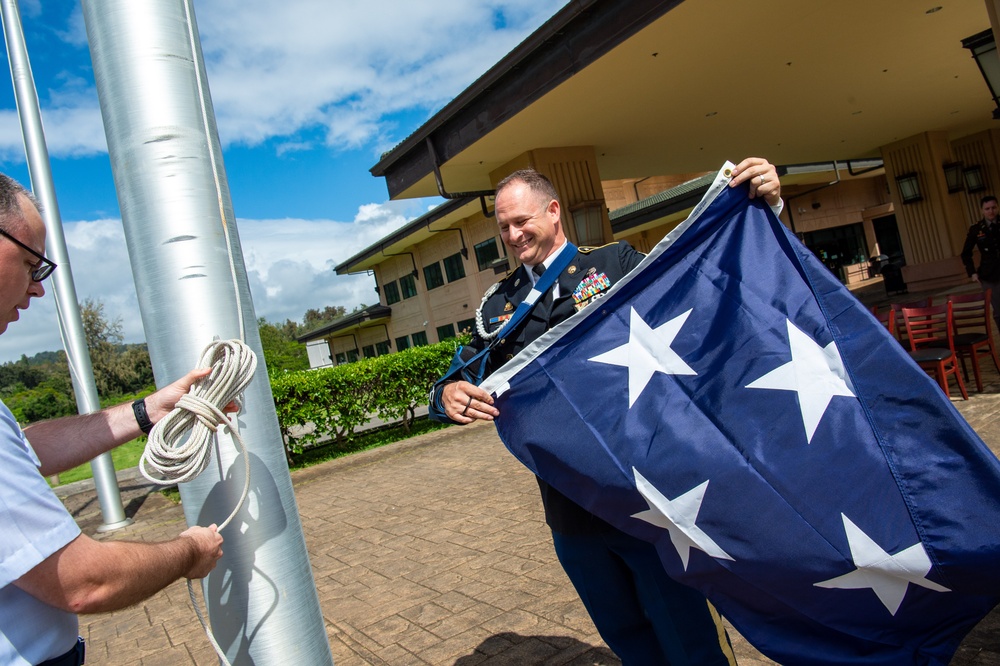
<point x="480" y="327"/>
<point x="175" y="459"/>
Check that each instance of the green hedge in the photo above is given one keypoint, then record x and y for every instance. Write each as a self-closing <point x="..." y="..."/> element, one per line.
<point x="340" y="399"/>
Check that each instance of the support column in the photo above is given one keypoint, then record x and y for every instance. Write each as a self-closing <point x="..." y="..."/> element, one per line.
<point x="574" y="172"/>
<point x="932" y="230"/>
<point x="192" y="285"/>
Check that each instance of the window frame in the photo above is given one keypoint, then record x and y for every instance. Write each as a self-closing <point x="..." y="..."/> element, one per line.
<point x="487" y="264"/>
<point x="433" y="276"/>
<point x="446" y="328"/>
<point x="408" y="286"/>
<point x="458" y="263"/>
<point x="391" y="291"/>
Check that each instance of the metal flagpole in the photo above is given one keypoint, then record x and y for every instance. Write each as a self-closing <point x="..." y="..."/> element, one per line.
<point x="67" y="306"/>
<point x="192" y="284"/>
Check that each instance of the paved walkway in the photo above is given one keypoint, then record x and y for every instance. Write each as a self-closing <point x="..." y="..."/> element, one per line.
<point x="429" y="551"/>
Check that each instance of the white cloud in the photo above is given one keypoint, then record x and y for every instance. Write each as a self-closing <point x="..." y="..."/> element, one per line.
<point x="74" y="130"/>
<point x="290" y="267"/>
<point x="296" y="73"/>
<point x="337" y="68"/>
<point x="343" y="66"/>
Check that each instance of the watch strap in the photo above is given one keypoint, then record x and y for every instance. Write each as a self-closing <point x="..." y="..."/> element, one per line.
<point x="141" y="416"/>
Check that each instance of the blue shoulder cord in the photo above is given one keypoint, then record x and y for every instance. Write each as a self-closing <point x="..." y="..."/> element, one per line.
<point x="543" y="284"/>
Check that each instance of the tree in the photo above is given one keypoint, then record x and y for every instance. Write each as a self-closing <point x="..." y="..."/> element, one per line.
<point x="282" y="351"/>
<point x="21" y="374"/>
<point x="118" y="368"/>
<point x="40" y="404"/>
<point x="314" y="318"/>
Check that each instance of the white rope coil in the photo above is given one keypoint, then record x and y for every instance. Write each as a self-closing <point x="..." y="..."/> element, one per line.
<point x="175" y="458"/>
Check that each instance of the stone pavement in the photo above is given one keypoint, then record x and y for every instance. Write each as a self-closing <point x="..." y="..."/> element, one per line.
<point x="428" y="551"/>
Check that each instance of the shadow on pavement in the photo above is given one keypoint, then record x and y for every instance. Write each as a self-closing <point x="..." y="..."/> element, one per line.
<point x="517" y="650"/>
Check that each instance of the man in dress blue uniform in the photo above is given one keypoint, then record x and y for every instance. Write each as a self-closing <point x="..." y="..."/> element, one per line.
<point x="643" y="615"/>
<point x="49" y="570"/>
<point x="985" y="235"/>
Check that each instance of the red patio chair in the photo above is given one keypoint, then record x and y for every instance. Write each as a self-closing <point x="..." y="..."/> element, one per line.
<point x="931" y="332"/>
<point x="897" y="310"/>
<point x="887" y="318"/>
<point x="973" y="331"/>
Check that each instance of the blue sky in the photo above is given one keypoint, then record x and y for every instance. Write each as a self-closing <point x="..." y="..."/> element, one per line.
<point x="307" y="94"/>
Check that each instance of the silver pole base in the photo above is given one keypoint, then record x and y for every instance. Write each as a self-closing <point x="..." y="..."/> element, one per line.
<point x="111" y="527"/>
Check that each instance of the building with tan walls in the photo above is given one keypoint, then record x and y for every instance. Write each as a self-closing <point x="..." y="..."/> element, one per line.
<point x="624" y="105"/>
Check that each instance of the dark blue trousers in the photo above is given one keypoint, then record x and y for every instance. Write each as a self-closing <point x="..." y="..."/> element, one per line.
<point x="645" y="617"/>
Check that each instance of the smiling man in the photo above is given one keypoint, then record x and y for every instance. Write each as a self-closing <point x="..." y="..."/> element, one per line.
<point x="49" y="570"/>
<point x="641" y="613"/>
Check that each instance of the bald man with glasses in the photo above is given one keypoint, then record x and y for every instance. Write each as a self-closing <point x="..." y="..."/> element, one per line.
<point x="49" y="570"/>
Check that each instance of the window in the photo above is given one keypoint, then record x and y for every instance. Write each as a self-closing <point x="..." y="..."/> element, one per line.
<point x="341" y="359"/>
<point x="487" y="253"/>
<point x="432" y="276"/>
<point x="408" y="285"/>
<point x="391" y="293"/>
<point x="467" y="326"/>
<point x="368" y="351"/>
<point x="352" y="355"/>
<point x="446" y="331"/>
<point x="419" y="338"/>
<point x="383" y="347"/>
<point x="454" y="267"/>
<point x="839" y="247"/>
<point x="402" y="343"/>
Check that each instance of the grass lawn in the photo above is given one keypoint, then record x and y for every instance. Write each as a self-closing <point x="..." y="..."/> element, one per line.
<point x="127" y="455"/>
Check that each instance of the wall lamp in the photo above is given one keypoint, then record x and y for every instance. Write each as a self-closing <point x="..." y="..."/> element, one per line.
<point x="984" y="50"/>
<point x="953" y="177"/>
<point x="909" y="187"/>
<point x="973" y="176"/>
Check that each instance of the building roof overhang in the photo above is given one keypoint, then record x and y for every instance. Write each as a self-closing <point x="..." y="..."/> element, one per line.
<point x="420" y="229"/>
<point x="674" y="205"/>
<point x="373" y="315"/>
<point x="678" y="87"/>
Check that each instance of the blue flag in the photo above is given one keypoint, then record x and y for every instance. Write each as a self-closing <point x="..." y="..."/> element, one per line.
<point x="732" y="403"/>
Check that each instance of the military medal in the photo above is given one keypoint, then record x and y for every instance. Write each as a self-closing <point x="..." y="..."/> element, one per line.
<point x="590" y="288"/>
<point x="500" y="320"/>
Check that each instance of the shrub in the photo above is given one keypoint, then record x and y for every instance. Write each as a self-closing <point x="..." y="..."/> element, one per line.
<point x="313" y="404"/>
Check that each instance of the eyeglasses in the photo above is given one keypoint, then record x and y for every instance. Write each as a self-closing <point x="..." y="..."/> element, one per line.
<point x="43" y="268"/>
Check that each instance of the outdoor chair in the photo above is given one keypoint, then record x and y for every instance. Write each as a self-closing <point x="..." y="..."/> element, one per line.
<point x="897" y="312"/>
<point x="886" y="317"/>
<point x="973" y="322"/>
<point x="931" y="334"/>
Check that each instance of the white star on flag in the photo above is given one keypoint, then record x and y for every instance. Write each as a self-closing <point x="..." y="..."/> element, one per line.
<point x="815" y="373"/>
<point x="887" y="575"/>
<point x="646" y="352"/>
<point x="678" y="517"/>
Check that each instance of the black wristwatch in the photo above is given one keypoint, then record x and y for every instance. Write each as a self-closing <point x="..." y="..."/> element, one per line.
<point x="141" y="417"/>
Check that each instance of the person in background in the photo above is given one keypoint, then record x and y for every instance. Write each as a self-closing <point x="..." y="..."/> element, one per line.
<point x="985" y="235"/>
